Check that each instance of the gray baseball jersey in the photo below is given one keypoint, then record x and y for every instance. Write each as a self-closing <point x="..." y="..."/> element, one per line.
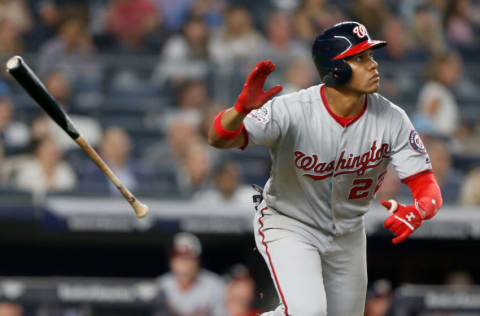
<point x="325" y="174"/>
<point x="325" y="171"/>
<point x="204" y="298"/>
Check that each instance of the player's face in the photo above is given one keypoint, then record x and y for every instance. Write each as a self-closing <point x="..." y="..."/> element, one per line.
<point x="365" y="77"/>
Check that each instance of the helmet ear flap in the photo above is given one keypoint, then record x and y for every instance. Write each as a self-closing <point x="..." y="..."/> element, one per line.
<point x="338" y="75"/>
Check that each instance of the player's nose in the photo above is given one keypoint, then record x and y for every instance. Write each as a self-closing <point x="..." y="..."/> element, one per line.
<point x="373" y="65"/>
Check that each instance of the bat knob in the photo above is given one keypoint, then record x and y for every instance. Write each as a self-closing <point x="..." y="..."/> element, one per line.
<point x="14" y="62"/>
<point x="141" y="210"/>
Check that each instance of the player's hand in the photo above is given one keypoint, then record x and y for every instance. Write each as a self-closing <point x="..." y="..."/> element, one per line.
<point x="405" y="219"/>
<point x="252" y="96"/>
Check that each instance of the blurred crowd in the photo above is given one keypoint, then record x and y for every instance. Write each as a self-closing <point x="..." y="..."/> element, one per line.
<point x="142" y="80"/>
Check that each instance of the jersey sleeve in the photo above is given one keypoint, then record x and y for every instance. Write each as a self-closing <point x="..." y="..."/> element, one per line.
<point x="409" y="155"/>
<point x="264" y="125"/>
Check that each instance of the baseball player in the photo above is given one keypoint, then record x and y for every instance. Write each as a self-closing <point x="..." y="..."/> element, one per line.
<point x="330" y="146"/>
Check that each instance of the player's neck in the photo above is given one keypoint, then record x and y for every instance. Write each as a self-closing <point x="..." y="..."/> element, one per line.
<point x="345" y="102"/>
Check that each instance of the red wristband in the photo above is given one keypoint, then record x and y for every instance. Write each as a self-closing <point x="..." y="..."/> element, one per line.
<point x="222" y="132"/>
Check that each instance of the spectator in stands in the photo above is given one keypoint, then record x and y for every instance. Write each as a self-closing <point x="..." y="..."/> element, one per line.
<point x="379" y="298"/>
<point x="372" y="13"/>
<point x="240" y="295"/>
<point x="298" y="75"/>
<point x="436" y="102"/>
<point x="470" y="190"/>
<point x="57" y="83"/>
<point x="398" y="82"/>
<point x="73" y="52"/>
<point x="449" y="179"/>
<point x="185" y="56"/>
<point x="193" y="172"/>
<point x="460" y="23"/>
<point x="228" y="189"/>
<point x="174" y="12"/>
<point x="15" y="134"/>
<point x="131" y="22"/>
<point x="10" y="39"/>
<point x="459" y="281"/>
<point x="210" y="10"/>
<point x="191" y="100"/>
<point x="312" y="16"/>
<point x="115" y="149"/>
<point x="10" y="309"/>
<point x="17" y="12"/>
<point x="238" y="40"/>
<point x="187" y="288"/>
<point x="44" y="171"/>
<point x="46" y="24"/>
<point x="426" y="29"/>
<point x="170" y="151"/>
<point x="281" y="47"/>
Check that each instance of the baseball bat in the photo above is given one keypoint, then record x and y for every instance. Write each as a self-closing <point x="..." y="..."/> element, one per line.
<point x="22" y="73"/>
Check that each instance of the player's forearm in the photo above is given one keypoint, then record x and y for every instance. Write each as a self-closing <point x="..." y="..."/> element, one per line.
<point x="226" y="130"/>
<point x="427" y="194"/>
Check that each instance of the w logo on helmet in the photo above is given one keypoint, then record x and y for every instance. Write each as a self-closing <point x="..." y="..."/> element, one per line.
<point x="360" y="31"/>
<point x="410" y="216"/>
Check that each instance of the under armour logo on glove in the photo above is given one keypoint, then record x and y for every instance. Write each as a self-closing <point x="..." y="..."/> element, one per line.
<point x="405" y="219"/>
<point x="410" y="216"/>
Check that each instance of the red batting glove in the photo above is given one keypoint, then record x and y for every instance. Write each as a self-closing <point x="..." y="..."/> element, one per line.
<point x="405" y="219"/>
<point x="252" y="96"/>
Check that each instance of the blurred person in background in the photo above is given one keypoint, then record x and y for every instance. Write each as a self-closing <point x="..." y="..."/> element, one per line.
<point x="15" y="134"/>
<point x="461" y="22"/>
<point x="131" y="22"/>
<point x="298" y="75"/>
<point x="44" y="171"/>
<point x="10" y="309"/>
<point x="372" y="13"/>
<point x="11" y="42"/>
<point x="188" y="289"/>
<point x="115" y="149"/>
<point x="186" y="55"/>
<point x="238" y="40"/>
<point x="17" y="12"/>
<point x="240" y="294"/>
<point x="280" y="46"/>
<point x="379" y="298"/>
<point x="460" y="281"/>
<point x="436" y="102"/>
<point x="170" y="151"/>
<point x="47" y="20"/>
<point x="426" y="28"/>
<point x="58" y="85"/>
<point x="449" y="179"/>
<point x="210" y="11"/>
<point x="398" y="82"/>
<point x="312" y="16"/>
<point x="72" y="51"/>
<point x="193" y="172"/>
<point x="191" y="99"/>
<point x="228" y="189"/>
<point x="470" y="189"/>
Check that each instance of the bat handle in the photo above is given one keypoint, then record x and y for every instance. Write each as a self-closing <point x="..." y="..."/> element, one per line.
<point x="393" y="207"/>
<point x="140" y="209"/>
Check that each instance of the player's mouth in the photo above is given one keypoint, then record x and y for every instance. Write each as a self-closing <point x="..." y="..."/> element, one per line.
<point x="375" y="78"/>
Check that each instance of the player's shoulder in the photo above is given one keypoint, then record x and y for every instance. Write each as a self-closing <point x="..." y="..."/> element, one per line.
<point x="291" y="102"/>
<point x="384" y="107"/>
<point x="302" y="96"/>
